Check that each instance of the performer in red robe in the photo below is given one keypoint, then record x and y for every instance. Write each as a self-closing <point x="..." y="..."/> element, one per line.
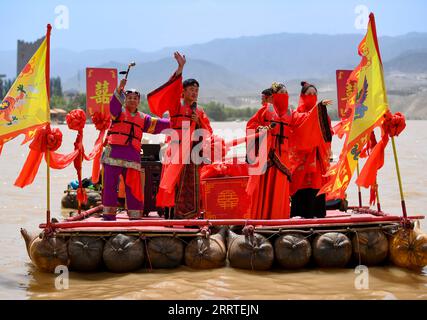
<point x="179" y="185"/>
<point x="310" y="165"/>
<point x="269" y="192"/>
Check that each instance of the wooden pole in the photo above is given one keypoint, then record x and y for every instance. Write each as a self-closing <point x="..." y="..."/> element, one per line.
<point x="47" y="79"/>
<point x="47" y="187"/>
<point x="79" y="204"/>
<point x="378" y="198"/>
<point x="399" y="179"/>
<point x="359" y="191"/>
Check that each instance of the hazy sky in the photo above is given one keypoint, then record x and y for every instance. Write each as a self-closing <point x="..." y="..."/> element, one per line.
<point x="152" y="25"/>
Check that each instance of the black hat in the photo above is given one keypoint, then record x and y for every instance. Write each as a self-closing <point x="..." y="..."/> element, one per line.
<point x="267" y="92"/>
<point x="190" y="82"/>
<point x="305" y="86"/>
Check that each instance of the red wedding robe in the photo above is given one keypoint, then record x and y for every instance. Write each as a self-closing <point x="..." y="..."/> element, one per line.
<point x="168" y="98"/>
<point x="310" y="165"/>
<point x="269" y="192"/>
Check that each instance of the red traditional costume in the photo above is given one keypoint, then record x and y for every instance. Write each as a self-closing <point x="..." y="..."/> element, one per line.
<point x="179" y="185"/>
<point x="269" y="192"/>
<point x="310" y="165"/>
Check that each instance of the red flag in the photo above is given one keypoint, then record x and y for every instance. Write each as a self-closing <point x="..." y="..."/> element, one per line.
<point x="166" y="96"/>
<point x="344" y="91"/>
<point x="100" y="86"/>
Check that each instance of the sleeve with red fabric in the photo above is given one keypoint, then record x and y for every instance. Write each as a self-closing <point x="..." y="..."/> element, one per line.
<point x="166" y="97"/>
<point x="155" y="125"/>
<point x="204" y="121"/>
<point x="311" y="129"/>
<point x="256" y="120"/>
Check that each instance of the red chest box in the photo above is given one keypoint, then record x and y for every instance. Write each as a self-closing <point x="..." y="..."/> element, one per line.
<point x="225" y="198"/>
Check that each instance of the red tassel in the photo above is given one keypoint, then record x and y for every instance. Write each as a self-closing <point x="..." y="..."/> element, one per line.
<point x="373" y="195"/>
<point x="102" y="122"/>
<point x="82" y="195"/>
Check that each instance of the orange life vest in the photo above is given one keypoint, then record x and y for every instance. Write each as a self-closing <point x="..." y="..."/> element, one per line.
<point x="184" y="114"/>
<point x="127" y="129"/>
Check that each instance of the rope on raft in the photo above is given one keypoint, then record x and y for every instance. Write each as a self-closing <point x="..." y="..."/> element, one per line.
<point x="312" y="231"/>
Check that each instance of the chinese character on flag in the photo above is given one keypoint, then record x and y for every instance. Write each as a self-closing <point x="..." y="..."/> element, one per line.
<point x="100" y="86"/>
<point x="344" y="90"/>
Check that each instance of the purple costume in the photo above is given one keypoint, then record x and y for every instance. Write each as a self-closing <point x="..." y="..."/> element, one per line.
<point x="117" y="159"/>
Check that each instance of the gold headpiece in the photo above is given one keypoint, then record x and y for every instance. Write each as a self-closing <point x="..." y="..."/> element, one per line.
<point x="277" y="87"/>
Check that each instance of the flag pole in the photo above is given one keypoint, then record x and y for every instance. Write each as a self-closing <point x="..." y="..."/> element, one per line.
<point x="399" y="179"/>
<point x="396" y="161"/>
<point x="359" y="191"/>
<point x="102" y="170"/>
<point x="47" y="75"/>
<point x="378" y="197"/>
<point x="79" y="204"/>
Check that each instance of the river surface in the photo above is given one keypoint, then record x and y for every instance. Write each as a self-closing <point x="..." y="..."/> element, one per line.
<point x="19" y="279"/>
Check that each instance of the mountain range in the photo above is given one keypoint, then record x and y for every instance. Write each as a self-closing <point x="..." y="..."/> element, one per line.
<point x="234" y="71"/>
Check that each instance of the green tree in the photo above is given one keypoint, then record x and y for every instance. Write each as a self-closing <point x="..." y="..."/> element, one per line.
<point x="56" y="87"/>
<point x="216" y="111"/>
<point x="57" y="102"/>
<point x="76" y="102"/>
<point x="5" y="86"/>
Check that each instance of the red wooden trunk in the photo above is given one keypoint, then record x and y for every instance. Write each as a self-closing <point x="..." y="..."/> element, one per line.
<point x="225" y="198"/>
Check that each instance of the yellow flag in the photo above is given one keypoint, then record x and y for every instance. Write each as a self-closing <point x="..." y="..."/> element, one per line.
<point x="26" y="105"/>
<point x="368" y="104"/>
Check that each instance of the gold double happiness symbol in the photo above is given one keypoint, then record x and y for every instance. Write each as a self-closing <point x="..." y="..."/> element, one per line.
<point x="227" y="199"/>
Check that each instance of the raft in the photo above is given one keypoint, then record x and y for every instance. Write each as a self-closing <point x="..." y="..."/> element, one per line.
<point x="86" y="243"/>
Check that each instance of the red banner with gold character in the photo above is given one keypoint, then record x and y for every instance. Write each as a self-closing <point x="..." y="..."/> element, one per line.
<point x="100" y="86"/>
<point x="344" y="91"/>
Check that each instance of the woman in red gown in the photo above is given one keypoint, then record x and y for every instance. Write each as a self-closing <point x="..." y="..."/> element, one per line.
<point x="269" y="191"/>
<point x="310" y="165"/>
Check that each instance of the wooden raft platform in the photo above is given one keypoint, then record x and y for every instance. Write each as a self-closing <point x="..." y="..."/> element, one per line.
<point x="357" y="217"/>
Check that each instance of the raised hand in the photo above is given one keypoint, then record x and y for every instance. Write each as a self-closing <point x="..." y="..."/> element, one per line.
<point x="181" y="61"/>
<point x="327" y="102"/>
<point x="195" y="118"/>
<point x="122" y="85"/>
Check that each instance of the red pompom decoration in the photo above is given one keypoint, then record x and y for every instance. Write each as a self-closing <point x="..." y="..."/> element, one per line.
<point x="46" y="138"/>
<point x="76" y="119"/>
<point x="393" y="125"/>
<point x="101" y="121"/>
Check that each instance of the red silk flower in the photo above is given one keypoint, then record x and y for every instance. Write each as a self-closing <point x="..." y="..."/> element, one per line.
<point x="76" y="119"/>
